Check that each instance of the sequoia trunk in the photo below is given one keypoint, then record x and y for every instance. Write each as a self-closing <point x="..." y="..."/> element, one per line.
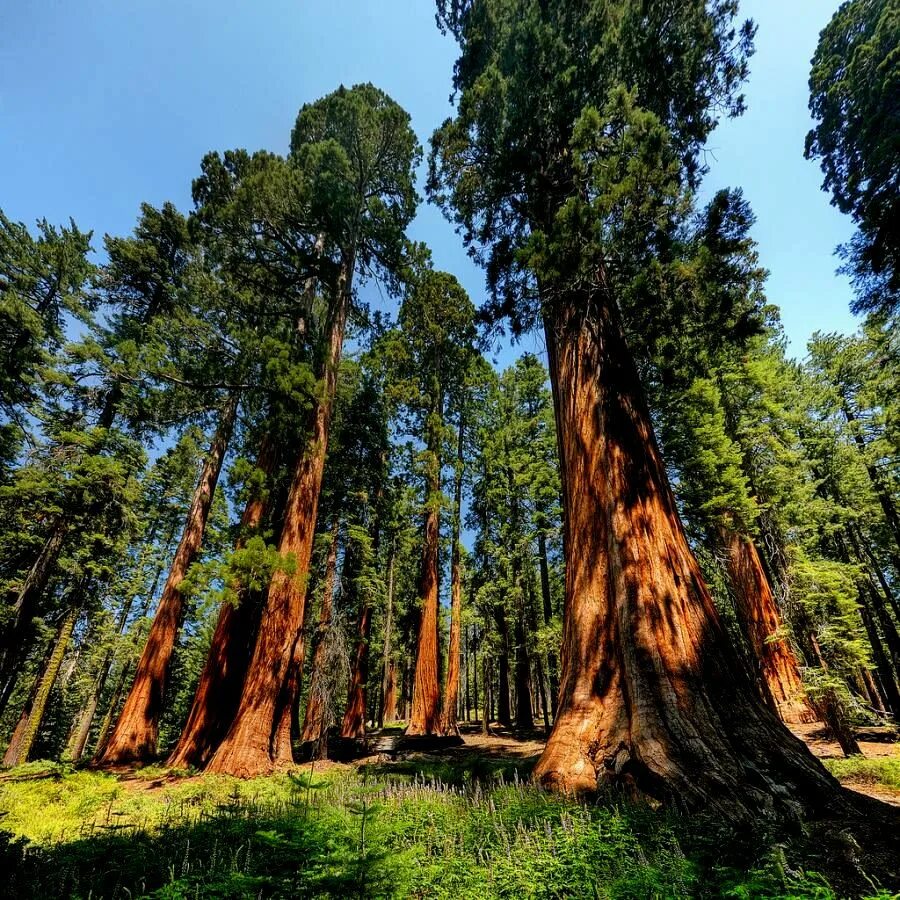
<point x="219" y="688"/>
<point x="425" y="714"/>
<point x="449" y="723"/>
<point x="652" y="693"/>
<point x="134" y="738"/>
<point x="354" y="724"/>
<point x="763" y="626"/>
<point x="251" y="746"/>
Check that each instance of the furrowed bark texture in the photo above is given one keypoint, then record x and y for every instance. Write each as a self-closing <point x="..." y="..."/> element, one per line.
<point x="449" y="725"/>
<point x="425" y="714"/>
<point x="134" y="738"/>
<point x="652" y="694"/>
<point x="252" y="746"/>
<point x="763" y="626"/>
<point x="222" y="678"/>
<point x="354" y="724"/>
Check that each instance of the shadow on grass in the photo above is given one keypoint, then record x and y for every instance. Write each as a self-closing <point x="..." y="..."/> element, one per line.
<point x="284" y="854"/>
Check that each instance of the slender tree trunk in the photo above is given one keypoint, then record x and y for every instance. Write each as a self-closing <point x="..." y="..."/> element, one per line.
<point x="313" y="720"/>
<point x="524" y="715"/>
<point x="881" y="490"/>
<point x="474" y="671"/>
<point x="467" y="676"/>
<point x="425" y="714"/>
<point x="504" y="715"/>
<point x="219" y="688"/>
<point x="652" y="693"/>
<point x="764" y="629"/>
<point x="32" y="716"/>
<point x="552" y="663"/>
<point x="354" y="724"/>
<point x="885" y="670"/>
<point x="488" y="680"/>
<point x="134" y="738"/>
<point x="25" y="600"/>
<point x="449" y="724"/>
<point x="251" y="746"/>
<point x="388" y="687"/>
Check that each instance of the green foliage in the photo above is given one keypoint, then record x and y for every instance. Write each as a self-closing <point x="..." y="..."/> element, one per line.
<point x="466" y="830"/>
<point x="854" y="83"/>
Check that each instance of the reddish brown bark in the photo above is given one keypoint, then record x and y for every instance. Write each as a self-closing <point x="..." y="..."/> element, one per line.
<point x="134" y="738"/>
<point x="652" y="694"/>
<point x="761" y="621"/>
<point x="314" y="717"/>
<point x="354" y="724"/>
<point x="449" y="725"/>
<point x="425" y="714"/>
<point x="251" y="746"/>
<point x="219" y="688"/>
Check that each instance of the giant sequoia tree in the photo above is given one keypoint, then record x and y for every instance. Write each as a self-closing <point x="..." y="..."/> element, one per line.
<point x="568" y="166"/>
<point x="358" y="151"/>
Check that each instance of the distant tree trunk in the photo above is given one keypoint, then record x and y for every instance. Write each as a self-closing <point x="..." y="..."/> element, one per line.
<point x="474" y="670"/>
<point x="219" y="688"/>
<point x="652" y="693"/>
<point x="504" y="715"/>
<point x="24" y="603"/>
<point x="449" y="724"/>
<point x="32" y="716"/>
<point x="466" y="673"/>
<point x="388" y="669"/>
<point x="135" y="736"/>
<point x="524" y="715"/>
<point x="885" y="670"/>
<point x="881" y="490"/>
<point x="487" y="679"/>
<point x="763" y="627"/>
<point x="538" y="663"/>
<point x="313" y="720"/>
<point x="425" y="714"/>
<point x="251" y="745"/>
<point x="354" y="724"/>
<point x="552" y="664"/>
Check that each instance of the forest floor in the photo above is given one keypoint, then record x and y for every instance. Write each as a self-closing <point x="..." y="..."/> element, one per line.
<point x="460" y="822"/>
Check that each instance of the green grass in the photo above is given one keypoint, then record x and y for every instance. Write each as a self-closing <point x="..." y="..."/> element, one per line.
<point x="883" y="771"/>
<point x="466" y="829"/>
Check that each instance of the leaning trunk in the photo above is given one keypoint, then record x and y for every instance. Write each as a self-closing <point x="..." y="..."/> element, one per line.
<point x="134" y="738"/>
<point x="763" y="626"/>
<point x="219" y="688"/>
<point x="251" y="745"/>
<point x="32" y="716"/>
<point x="652" y="693"/>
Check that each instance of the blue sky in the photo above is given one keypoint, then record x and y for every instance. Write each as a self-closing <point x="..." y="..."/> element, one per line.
<point x="104" y="104"/>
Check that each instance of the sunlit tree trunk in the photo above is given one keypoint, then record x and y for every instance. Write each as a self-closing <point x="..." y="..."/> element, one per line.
<point x="449" y="725"/>
<point x="425" y="713"/>
<point x="759" y="617"/>
<point x="134" y="738"/>
<point x="219" y="688"/>
<point x="251" y="745"/>
<point x="652" y="694"/>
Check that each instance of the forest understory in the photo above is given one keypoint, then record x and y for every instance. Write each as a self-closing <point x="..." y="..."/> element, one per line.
<point x="463" y="821"/>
